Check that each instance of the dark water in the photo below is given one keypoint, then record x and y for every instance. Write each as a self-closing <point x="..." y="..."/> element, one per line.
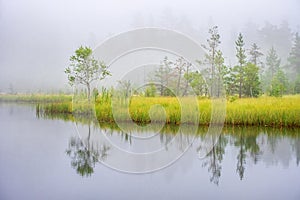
<point x="43" y="158"/>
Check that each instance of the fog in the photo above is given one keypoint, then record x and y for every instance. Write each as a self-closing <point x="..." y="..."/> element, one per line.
<point x="37" y="37"/>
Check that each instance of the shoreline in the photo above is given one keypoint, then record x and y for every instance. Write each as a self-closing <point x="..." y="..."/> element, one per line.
<point x="261" y="112"/>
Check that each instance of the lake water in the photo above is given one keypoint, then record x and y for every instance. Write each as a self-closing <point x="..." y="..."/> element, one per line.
<point x="44" y="158"/>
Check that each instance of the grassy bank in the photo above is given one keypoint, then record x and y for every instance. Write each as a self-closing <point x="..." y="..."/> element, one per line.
<point x="263" y="111"/>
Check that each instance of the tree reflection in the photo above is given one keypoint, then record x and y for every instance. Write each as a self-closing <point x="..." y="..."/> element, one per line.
<point x="214" y="159"/>
<point x="253" y="147"/>
<point x="85" y="154"/>
<point x="240" y="168"/>
<point x="297" y="149"/>
<point x="246" y="141"/>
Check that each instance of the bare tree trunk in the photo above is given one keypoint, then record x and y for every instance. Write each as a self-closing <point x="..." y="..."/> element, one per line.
<point x="240" y="89"/>
<point x="178" y="82"/>
<point x="187" y="82"/>
<point x="212" y="72"/>
<point x="219" y="83"/>
<point x="89" y="135"/>
<point x="88" y="92"/>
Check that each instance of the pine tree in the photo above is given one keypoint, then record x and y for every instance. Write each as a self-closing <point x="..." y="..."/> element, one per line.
<point x="241" y="56"/>
<point x="272" y="62"/>
<point x="255" y="54"/>
<point x="297" y="85"/>
<point x="163" y="76"/>
<point x="210" y="57"/>
<point x="222" y="73"/>
<point x="294" y="58"/>
<point x="251" y="80"/>
<point x="279" y="84"/>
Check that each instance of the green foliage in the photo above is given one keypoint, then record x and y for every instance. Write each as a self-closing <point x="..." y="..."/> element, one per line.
<point x="197" y="82"/>
<point x="240" y="50"/>
<point x="273" y="65"/>
<point x="297" y="85"/>
<point x="170" y="77"/>
<point x="84" y="155"/>
<point x="272" y="62"/>
<point x="255" y="54"/>
<point x="294" y="58"/>
<point x="150" y="90"/>
<point x="84" y="69"/>
<point x="95" y="93"/>
<point x="222" y="74"/>
<point x="239" y="69"/>
<point x="279" y="84"/>
<point x="251" y="81"/>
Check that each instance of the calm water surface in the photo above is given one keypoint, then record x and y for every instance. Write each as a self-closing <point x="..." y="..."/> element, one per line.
<point x="43" y="158"/>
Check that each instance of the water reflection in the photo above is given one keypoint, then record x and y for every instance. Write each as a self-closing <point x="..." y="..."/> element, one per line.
<point x="84" y="153"/>
<point x="213" y="160"/>
<point x="245" y="146"/>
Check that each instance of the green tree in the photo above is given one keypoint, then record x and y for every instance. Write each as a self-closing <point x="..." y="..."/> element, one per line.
<point x="197" y="82"/>
<point x="230" y="81"/>
<point x="150" y="90"/>
<point x="273" y="65"/>
<point x="297" y="85"/>
<point x="272" y="62"/>
<point x="222" y="73"/>
<point x="279" y="84"/>
<point x="255" y="54"/>
<point x="251" y="80"/>
<point x="294" y="57"/>
<point x="241" y="56"/>
<point x="84" y="69"/>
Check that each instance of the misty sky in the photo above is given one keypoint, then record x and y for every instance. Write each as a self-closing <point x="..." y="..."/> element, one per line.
<point x="37" y="37"/>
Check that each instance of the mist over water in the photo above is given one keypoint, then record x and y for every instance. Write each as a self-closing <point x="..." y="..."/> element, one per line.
<point x="38" y="37"/>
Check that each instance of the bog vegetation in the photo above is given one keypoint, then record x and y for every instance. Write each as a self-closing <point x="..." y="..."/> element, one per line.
<point x="261" y="111"/>
<point x="259" y="91"/>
